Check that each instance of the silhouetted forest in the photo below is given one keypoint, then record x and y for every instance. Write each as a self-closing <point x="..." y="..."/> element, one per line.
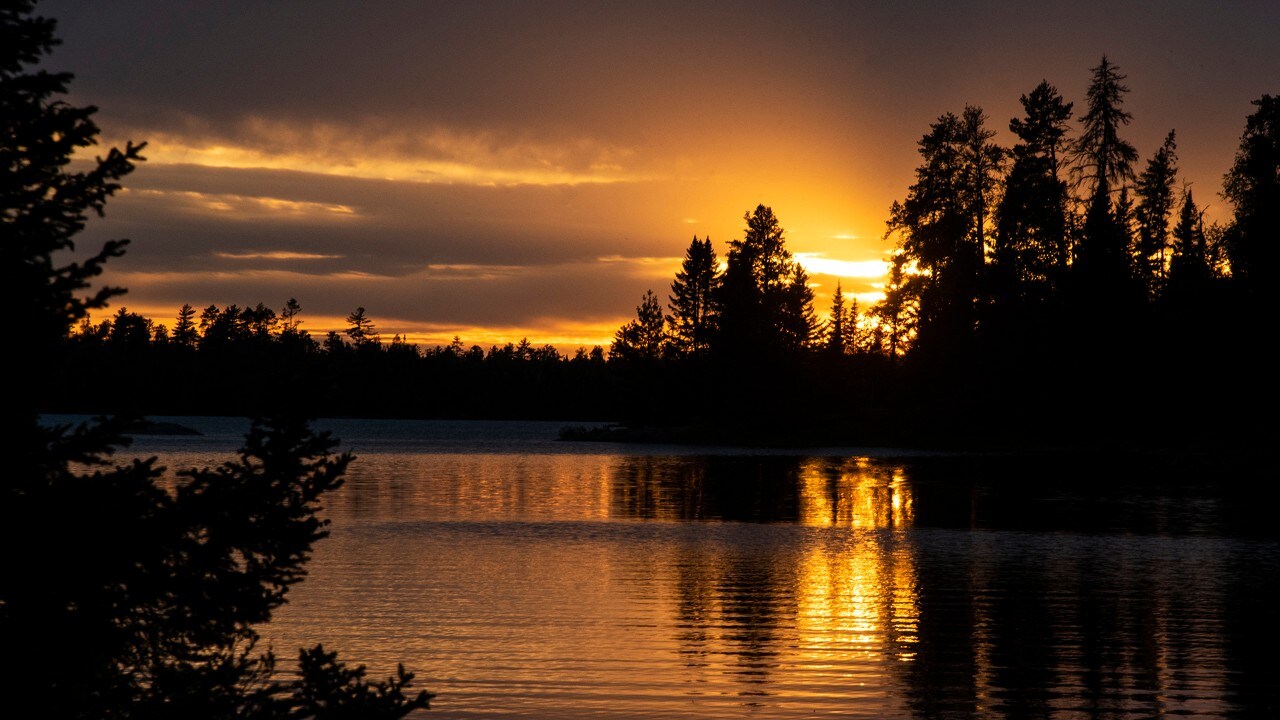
<point x="1056" y="290"/>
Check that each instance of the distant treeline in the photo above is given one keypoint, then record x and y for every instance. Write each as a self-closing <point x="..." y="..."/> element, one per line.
<point x="252" y="360"/>
<point x="1037" y="294"/>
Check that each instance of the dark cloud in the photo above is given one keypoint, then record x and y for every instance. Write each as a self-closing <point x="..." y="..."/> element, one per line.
<point x="181" y="217"/>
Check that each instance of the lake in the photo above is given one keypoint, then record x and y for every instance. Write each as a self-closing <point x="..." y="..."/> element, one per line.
<point x="520" y="576"/>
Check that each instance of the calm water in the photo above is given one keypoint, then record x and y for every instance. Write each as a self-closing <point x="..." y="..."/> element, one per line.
<point x="524" y="577"/>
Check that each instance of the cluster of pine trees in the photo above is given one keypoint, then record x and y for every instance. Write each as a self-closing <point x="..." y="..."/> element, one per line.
<point x="1047" y="288"/>
<point x="761" y="302"/>
<point x="993" y="240"/>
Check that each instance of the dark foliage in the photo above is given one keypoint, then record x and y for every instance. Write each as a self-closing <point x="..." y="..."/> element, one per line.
<point x="127" y="594"/>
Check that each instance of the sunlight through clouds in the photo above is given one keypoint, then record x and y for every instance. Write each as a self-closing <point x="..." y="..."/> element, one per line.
<point x="276" y="255"/>
<point x="246" y="207"/>
<point x="819" y="264"/>
<point x="373" y="150"/>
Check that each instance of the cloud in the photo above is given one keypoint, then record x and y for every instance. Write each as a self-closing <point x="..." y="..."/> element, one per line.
<point x="378" y="149"/>
<point x="275" y="255"/>
<point x="246" y="208"/>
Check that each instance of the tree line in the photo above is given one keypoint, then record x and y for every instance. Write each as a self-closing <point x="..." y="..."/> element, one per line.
<point x="1056" y="281"/>
<point x="253" y="359"/>
<point x="1044" y="280"/>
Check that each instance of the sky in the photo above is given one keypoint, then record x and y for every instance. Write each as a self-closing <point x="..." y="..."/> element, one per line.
<point x="500" y="170"/>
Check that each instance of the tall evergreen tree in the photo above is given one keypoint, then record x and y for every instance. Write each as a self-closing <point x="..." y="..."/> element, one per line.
<point x="1102" y="157"/>
<point x="693" y="296"/>
<point x="841" y="335"/>
<point x="184" y="330"/>
<point x="897" y="315"/>
<point x="1031" y="242"/>
<point x="1189" y="271"/>
<point x="944" y="223"/>
<point x="360" y="329"/>
<point x="1253" y="187"/>
<point x="1103" y="164"/>
<point x="43" y="204"/>
<point x="1154" y="189"/>
<point x="289" y="321"/>
<point x="765" y="302"/>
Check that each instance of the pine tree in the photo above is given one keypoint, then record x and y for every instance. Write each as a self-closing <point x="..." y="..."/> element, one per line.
<point x="1154" y="189"/>
<point x="897" y="315"/>
<point x="645" y="338"/>
<point x="765" y="302"/>
<point x="693" y="299"/>
<point x="1031" y="242"/>
<point x="289" y="321"/>
<point x="1253" y="187"/>
<point x="360" y="329"/>
<point x="1189" y="271"/>
<point x="840" y="325"/>
<point x="944" y="221"/>
<point x="1104" y="162"/>
<point x="184" y="331"/>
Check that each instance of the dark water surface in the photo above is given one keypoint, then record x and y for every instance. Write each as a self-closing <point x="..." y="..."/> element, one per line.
<point x="524" y="577"/>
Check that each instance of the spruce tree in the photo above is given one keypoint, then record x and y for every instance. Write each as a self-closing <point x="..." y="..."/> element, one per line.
<point x="644" y="339"/>
<point x="184" y="330"/>
<point x="1031" y="242"/>
<point x="944" y="223"/>
<point x="1154" y="189"/>
<point x="694" y="312"/>
<point x="1104" y="165"/>
<point x="1252" y="186"/>
<point x="1189" y="272"/>
<point x="765" y="302"/>
<point x="840" y="325"/>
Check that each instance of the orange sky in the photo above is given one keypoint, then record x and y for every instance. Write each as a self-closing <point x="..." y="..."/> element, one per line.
<point x="499" y="170"/>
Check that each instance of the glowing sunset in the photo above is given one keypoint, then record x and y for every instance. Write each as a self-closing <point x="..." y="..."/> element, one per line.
<point x="337" y="154"/>
<point x="666" y="360"/>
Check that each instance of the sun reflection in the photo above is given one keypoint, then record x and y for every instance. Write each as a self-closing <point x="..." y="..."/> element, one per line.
<point x="857" y="597"/>
<point x="854" y="494"/>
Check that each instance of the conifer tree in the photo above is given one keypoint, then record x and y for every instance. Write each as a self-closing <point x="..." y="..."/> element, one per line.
<point x="765" y="302"/>
<point x="1104" y="165"/>
<point x="1189" y="272"/>
<point x="841" y="325"/>
<point x="944" y="221"/>
<point x="1253" y="188"/>
<point x="1031" y="241"/>
<point x="645" y="338"/>
<point x="693" y="297"/>
<point x="184" y="330"/>
<point x="1154" y="189"/>
<point x="360" y="329"/>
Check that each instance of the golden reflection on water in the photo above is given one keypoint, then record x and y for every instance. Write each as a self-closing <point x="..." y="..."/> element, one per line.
<point x="589" y="585"/>
<point x="857" y="599"/>
<point x="853" y="493"/>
